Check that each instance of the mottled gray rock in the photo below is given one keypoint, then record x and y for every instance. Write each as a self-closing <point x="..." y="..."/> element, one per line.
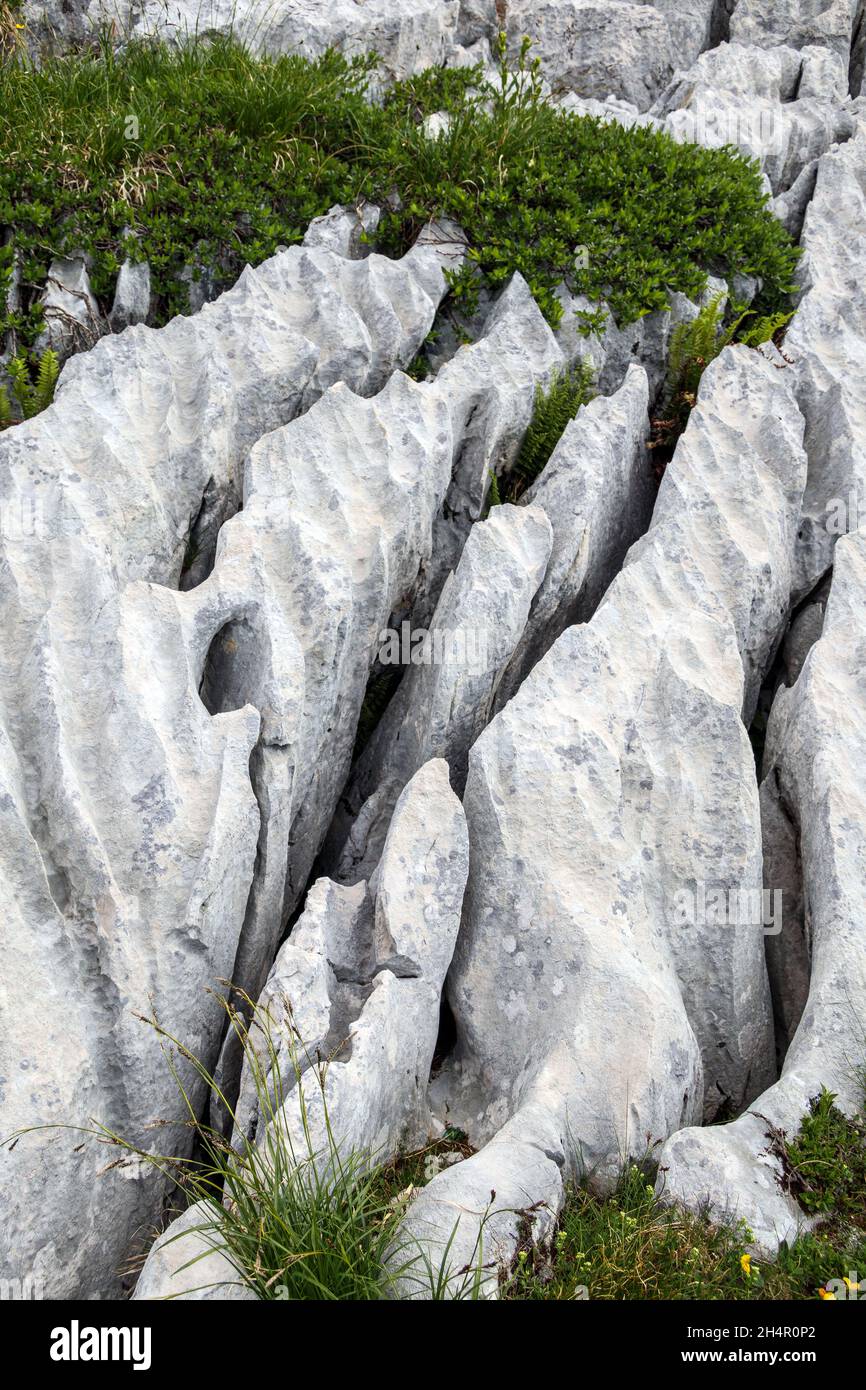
<point x="597" y="48"/>
<point x="829" y="23"/>
<point x="446" y="698"/>
<point x="691" y="26"/>
<point x="352" y="1004"/>
<point x="131" y="833"/>
<point x="72" y="316"/>
<point x="790" y="207"/>
<point x="611" y="109"/>
<point x="805" y="630"/>
<point x="345" y="230"/>
<point x="597" y="491"/>
<point x="131" y="296"/>
<point x="408" y="35"/>
<point x="827" y="342"/>
<point x="776" y="105"/>
<point x="490" y="389"/>
<point x="590" y="1010"/>
<point x="190" y="1262"/>
<point x="815" y="749"/>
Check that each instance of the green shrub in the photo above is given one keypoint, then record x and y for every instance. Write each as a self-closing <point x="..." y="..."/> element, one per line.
<point x="202" y="154"/>
<point x="825" y="1163"/>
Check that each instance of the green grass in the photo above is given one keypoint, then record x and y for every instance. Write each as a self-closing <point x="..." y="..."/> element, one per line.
<point x="203" y="154"/>
<point x="630" y="1246"/>
<point x="300" y="1220"/>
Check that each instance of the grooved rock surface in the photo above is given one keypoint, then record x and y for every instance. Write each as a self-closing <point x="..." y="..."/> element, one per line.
<point x="445" y="699"/>
<point x="813" y="786"/>
<point x="361" y="977"/>
<point x="130" y="823"/>
<point x="597" y="491"/>
<point x="188" y="1263"/>
<point x="827" y="343"/>
<point x="619" y="775"/>
<point x="597" y="48"/>
<point x="830" y="23"/>
<point x="779" y="106"/>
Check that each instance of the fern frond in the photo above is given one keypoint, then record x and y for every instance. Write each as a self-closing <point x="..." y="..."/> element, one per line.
<point x="5" y="408"/>
<point x="554" y="409"/>
<point x="46" y="380"/>
<point x="21" y="384"/>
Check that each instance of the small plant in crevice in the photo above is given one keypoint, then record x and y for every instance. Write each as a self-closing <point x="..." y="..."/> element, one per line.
<point x="381" y="687"/>
<point x="824" y="1165"/>
<point x="555" y="407"/>
<point x="299" y="1219"/>
<point x="694" y="345"/>
<point x="31" y="387"/>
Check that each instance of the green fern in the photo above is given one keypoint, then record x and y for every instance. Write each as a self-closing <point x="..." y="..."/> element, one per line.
<point x="31" y="397"/>
<point x="46" y="380"/>
<point x="494" y="498"/>
<point x="765" y="329"/>
<point x="554" y="409"/>
<point x="693" y="347"/>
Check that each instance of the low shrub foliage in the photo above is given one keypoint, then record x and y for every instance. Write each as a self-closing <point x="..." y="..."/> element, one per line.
<point x="205" y="155"/>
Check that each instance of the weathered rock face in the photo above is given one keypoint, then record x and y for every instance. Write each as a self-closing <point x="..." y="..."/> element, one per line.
<point x="130" y="825"/>
<point x="408" y="35"/>
<point x="812" y="801"/>
<point x="72" y="317"/>
<point x="358" y="986"/>
<point x="592" y="1006"/>
<point x="446" y="697"/>
<point x="597" y="48"/>
<point x="490" y="390"/>
<point x="829" y="23"/>
<point x="597" y="492"/>
<point x="777" y="105"/>
<point x="188" y="1263"/>
<point x="827" y="342"/>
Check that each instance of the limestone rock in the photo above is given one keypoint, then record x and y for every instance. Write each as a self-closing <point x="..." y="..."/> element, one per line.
<point x="131" y="296"/>
<point x="596" y="489"/>
<point x="445" y="700"/>
<point x="827" y="342"/>
<point x="589" y="1009"/>
<point x="778" y="106"/>
<point x="188" y="1262"/>
<point x="597" y="48"/>
<point x="72" y="316"/>
<point x="814" y="751"/>
<point x="131" y="829"/>
<point x="829" y="23"/>
<point x="408" y="35"/>
<point x="490" y="389"/>
<point x="344" y="229"/>
<point x="361" y="979"/>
